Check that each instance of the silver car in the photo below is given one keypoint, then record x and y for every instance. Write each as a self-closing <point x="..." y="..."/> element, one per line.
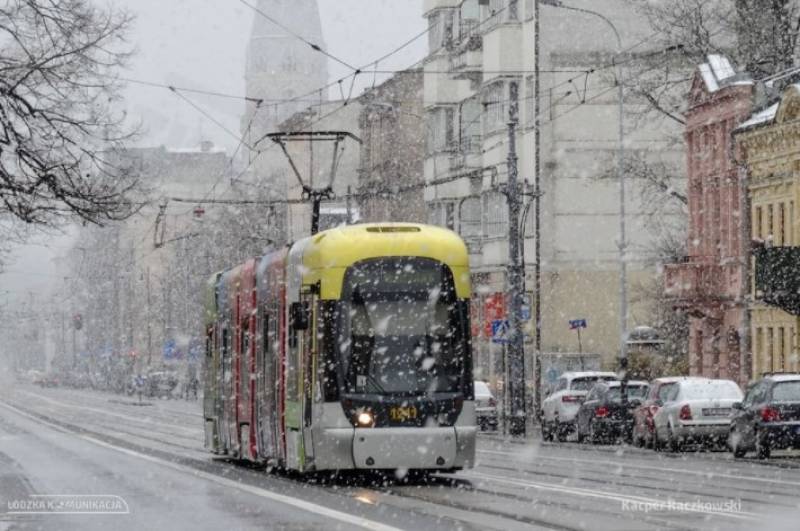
<point x="697" y="410"/>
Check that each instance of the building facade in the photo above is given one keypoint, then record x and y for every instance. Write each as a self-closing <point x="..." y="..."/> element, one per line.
<point x="769" y="147"/>
<point x="481" y="58"/>
<point x="391" y="173"/>
<point x="710" y="284"/>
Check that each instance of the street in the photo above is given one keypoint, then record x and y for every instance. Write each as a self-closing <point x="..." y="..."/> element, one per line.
<point x="72" y="443"/>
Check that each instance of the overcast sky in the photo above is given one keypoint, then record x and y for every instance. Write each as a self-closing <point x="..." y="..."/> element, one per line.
<point x="201" y="44"/>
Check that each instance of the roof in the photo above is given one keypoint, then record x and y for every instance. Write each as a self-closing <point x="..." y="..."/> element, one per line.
<point x="760" y="117"/>
<point x="718" y="72"/>
<point x="329" y="253"/>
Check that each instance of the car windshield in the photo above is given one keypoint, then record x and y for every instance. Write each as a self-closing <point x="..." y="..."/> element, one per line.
<point x="710" y="390"/>
<point x="400" y="331"/>
<point x="585" y="383"/>
<point x="786" y="392"/>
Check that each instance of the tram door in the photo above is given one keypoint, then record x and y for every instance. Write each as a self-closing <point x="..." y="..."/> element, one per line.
<point x="299" y="383"/>
<point x="225" y="388"/>
<point x="309" y="350"/>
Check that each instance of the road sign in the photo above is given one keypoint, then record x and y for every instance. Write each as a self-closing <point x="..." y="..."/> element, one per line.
<point x="577" y="324"/>
<point x="501" y="331"/>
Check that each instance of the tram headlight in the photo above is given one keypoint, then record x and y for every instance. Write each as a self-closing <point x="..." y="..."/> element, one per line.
<point x="365" y="419"/>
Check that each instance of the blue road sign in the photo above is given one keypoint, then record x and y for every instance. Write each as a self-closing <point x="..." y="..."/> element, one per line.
<point x="577" y="324"/>
<point x="501" y="331"/>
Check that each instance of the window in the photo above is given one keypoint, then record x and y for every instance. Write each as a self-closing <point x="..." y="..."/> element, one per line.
<point x="758" y="224"/>
<point x="499" y="11"/>
<point x="441" y="133"/>
<point x="450" y="215"/>
<point x="790" y="228"/>
<point x="441" y="23"/>
<point x="435" y="33"/>
<point x="759" y="350"/>
<point x="781" y="232"/>
<point x="470" y="17"/>
<point x="495" y="107"/>
<point x="470" y="226"/>
<point x="770" y="221"/>
<point x="781" y="350"/>
<point x="771" y="348"/>
<point x="470" y="126"/>
<point x="495" y="215"/>
<point x="443" y="215"/>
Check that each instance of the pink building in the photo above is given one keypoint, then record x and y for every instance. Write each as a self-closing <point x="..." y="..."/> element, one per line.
<point x="711" y="283"/>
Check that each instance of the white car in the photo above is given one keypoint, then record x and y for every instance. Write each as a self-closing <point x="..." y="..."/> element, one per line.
<point x="696" y="410"/>
<point x="562" y="404"/>
<point x="485" y="407"/>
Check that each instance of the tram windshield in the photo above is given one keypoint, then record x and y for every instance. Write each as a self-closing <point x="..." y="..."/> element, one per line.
<point x="402" y="329"/>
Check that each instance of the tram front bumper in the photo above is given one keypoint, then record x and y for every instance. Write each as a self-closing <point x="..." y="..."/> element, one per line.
<point x="413" y="448"/>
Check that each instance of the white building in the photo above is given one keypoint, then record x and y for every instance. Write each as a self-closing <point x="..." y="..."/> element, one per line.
<point x="482" y="56"/>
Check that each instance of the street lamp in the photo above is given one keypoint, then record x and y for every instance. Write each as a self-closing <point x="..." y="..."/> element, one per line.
<point x="623" y="290"/>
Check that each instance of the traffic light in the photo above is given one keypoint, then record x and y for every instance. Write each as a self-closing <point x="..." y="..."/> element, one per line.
<point x="77" y="321"/>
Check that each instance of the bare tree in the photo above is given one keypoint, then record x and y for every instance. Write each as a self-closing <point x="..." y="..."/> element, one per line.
<point x="58" y="123"/>
<point x="759" y="36"/>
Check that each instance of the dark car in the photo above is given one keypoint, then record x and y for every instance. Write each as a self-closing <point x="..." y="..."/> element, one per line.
<point x="603" y="417"/>
<point x="768" y="418"/>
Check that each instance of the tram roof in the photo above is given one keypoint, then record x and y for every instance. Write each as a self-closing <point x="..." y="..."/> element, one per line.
<point x="341" y="247"/>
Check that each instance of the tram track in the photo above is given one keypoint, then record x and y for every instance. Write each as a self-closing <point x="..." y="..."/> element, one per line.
<point x="604" y="475"/>
<point x="225" y="469"/>
<point x="502" y="481"/>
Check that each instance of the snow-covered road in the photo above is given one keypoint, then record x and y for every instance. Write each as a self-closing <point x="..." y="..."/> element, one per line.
<point x="67" y="442"/>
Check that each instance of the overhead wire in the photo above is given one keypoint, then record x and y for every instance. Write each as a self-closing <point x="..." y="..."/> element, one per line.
<point x="296" y="35"/>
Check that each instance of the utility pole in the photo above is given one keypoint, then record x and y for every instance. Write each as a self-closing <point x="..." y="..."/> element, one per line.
<point x="537" y="211"/>
<point x="149" y="320"/>
<point x="516" y="360"/>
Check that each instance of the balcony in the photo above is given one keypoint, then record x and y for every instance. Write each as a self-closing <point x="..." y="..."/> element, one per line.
<point x="777" y="277"/>
<point x="694" y="283"/>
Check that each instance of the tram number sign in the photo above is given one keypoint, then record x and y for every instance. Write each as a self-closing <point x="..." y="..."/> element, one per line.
<point x="402" y="414"/>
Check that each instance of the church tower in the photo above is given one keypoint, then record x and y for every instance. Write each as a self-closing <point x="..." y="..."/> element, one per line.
<point x="280" y="66"/>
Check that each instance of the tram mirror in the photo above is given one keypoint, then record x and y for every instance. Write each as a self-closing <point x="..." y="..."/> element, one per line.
<point x="300" y="315"/>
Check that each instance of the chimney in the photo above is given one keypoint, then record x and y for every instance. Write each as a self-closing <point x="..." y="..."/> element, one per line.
<point x="206" y="146"/>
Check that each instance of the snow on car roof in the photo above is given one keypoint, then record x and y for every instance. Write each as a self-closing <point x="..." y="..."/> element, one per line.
<point x="631" y="383"/>
<point x="783" y="377"/>
<point x="673" y="379"/>
<point x="587" y="374"/>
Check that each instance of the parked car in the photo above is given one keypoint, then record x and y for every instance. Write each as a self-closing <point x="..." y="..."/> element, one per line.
<point x="604" y="417"/>
<point x="561" y="405"/>
<point x="697" y="410"/>
<point x="47" y="380"/>
<point x="485" y="406"/>
<point x="644" y="414"/>
<point x="768" y="418"/>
